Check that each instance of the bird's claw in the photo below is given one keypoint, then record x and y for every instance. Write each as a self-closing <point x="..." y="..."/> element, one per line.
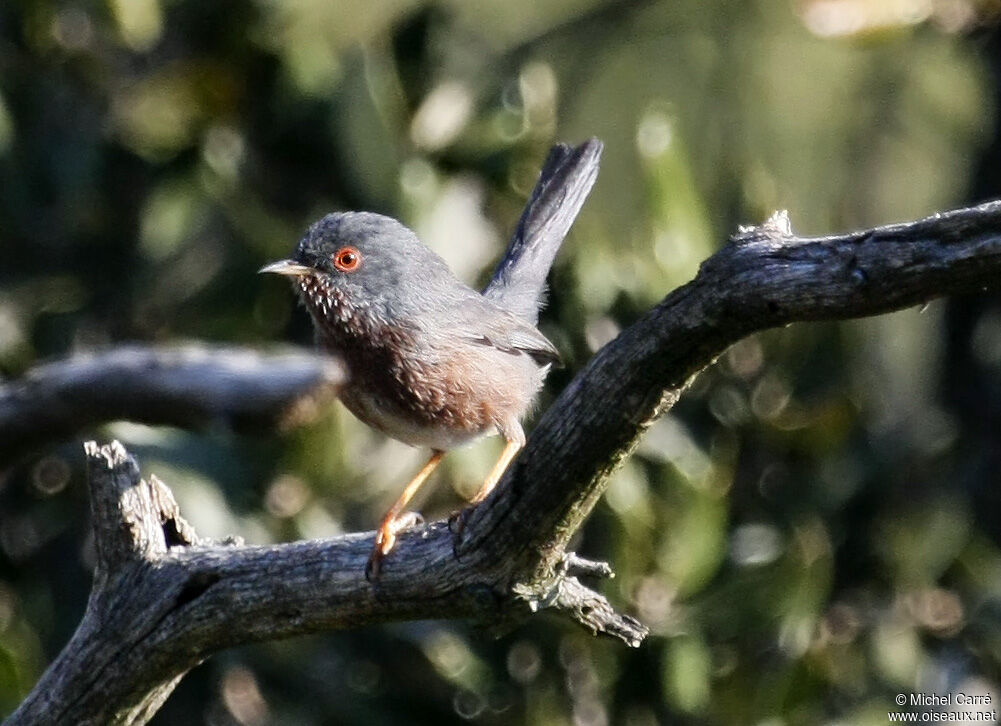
<point x="374" y="565"/>
<point x="385" y="540"/>
<point x="457" y="525"/>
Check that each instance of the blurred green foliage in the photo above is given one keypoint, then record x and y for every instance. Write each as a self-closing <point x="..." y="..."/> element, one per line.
<point x="812" y="530"/>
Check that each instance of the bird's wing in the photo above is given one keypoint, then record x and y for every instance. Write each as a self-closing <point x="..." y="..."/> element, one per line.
<point x="525" y="340"/>
<point x="479" y="321"/>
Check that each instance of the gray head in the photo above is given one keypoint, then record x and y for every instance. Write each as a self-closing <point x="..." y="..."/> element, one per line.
<point x="352" y="263"/>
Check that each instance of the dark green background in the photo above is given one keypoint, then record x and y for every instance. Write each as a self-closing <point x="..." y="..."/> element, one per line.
<point x="813" y="529"/>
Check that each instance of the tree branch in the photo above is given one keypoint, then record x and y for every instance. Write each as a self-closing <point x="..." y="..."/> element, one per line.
<point x="764" y="277"/>
<point x="193" y="386"/>
<point x="162" y="609"/>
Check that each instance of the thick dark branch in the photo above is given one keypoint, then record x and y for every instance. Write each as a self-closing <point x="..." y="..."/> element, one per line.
<point x="159" y="615"/>
<point x="193" y="386"/>
<point x="764" y="277"/>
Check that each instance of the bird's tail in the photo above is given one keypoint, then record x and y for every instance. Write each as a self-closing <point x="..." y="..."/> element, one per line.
<point x="519" y="282"/>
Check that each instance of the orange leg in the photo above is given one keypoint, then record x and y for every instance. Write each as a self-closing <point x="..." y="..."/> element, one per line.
<point x="511" y="450"/>
<point x="385" y="537"/>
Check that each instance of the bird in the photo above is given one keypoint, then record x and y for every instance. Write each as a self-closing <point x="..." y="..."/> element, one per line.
<point x="430" y="361"/>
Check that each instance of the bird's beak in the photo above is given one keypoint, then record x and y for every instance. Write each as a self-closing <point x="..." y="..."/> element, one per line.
<point x="286" y="267"/>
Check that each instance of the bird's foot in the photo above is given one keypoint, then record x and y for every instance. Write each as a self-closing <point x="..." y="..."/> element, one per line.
<point x="457" y="525"/>
<point x="457" y="521"/>
<point x="385" y="540"/>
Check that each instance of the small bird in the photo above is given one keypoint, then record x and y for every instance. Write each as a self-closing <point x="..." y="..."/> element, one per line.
<point x="430" y="361"/>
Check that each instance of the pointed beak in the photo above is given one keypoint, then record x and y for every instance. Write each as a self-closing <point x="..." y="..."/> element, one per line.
<point x="286" y="267"/>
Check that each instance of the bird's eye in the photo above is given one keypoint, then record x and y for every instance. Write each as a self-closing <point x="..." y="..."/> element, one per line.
<point x="347" y="259"/>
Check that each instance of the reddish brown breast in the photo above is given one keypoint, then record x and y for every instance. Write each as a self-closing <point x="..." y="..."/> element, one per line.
<point x="464" y="389"/>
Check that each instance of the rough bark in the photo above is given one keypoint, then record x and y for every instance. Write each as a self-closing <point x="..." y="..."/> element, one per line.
<point x="163" y="601"/>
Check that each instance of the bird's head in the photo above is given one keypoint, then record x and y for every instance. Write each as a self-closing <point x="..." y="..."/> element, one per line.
<point x="352" y="264"/>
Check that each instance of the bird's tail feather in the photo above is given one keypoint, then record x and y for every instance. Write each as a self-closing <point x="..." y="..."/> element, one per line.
<point x="519" y="282"/>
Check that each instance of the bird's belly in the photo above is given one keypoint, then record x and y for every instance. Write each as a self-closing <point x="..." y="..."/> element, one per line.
<point x="446" y="403"/>
<point x="405" y="427"/>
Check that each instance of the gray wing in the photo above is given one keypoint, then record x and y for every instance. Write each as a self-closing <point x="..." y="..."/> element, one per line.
<point x="478" y="320"/>
<point x="525" y="340"/>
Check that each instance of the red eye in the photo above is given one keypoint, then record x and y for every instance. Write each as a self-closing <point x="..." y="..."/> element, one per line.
<point x="347" y="259"/>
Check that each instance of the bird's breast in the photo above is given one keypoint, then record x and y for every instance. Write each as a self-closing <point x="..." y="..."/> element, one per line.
<point x="439" y="394"/>
<point x="422" y="388"/>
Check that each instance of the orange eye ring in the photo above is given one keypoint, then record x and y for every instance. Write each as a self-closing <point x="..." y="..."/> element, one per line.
<point x="346" y="259"/>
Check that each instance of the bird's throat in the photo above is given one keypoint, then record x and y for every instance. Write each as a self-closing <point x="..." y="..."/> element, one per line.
<point x="339" y="323"/>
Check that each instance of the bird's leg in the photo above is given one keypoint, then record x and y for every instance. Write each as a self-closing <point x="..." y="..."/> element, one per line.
<point x="457" y="522"/>
<point x="511" y="449"/>
<point x="392" y="523"/>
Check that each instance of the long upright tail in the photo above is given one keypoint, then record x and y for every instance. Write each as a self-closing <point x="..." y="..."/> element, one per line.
<point x="519" y="282"/>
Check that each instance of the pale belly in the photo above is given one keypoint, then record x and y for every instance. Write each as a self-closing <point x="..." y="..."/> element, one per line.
<point x="498" y="389"/>
<point x="405" y="429"/>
